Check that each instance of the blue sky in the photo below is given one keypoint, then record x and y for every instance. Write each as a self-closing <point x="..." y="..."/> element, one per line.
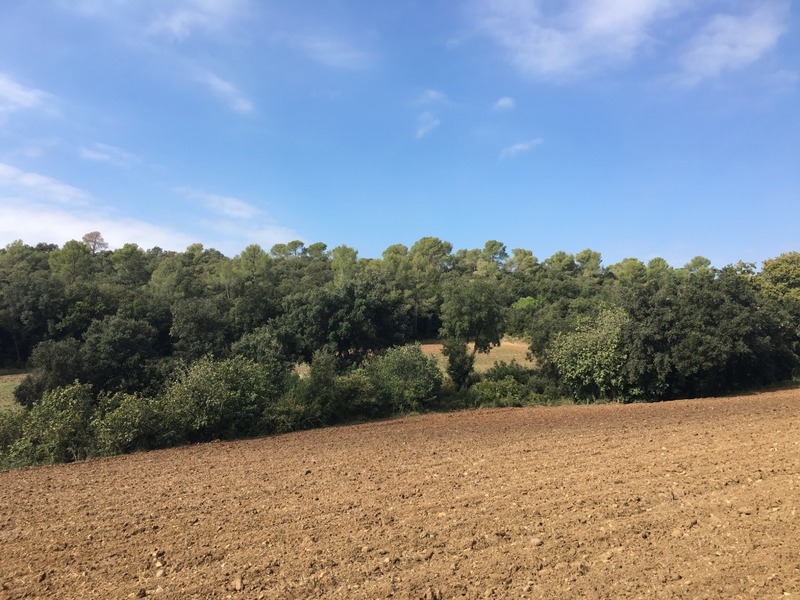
<point x="636" y="128"/>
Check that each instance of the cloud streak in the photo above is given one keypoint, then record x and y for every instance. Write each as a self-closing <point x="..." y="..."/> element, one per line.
<point x="729" y="43"/>
<point x="426" y="122"/>
<point x="190" y="16"/>
<point x="14" y="96"/>
<point x="15" y="181"/>
<point x="334" y="52"/>
<point x="520" y="147"/>
<point x="235" y="99"/>
<point x="576" y="37"/>
<point x="98" y="152"/>
<point x="224" y="205"/>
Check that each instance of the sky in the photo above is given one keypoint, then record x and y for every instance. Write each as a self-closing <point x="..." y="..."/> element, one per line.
<point x="638" y="128"/>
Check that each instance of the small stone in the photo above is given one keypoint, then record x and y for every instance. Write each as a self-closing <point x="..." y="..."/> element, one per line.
<point x="142" y="593"/>
<point x="237" y="585"/>
<point x="161" y="573"/>
<point x="537" y="541"/>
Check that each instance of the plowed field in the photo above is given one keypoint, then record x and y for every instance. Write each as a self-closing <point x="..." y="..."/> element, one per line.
<point x="690" y="499"/>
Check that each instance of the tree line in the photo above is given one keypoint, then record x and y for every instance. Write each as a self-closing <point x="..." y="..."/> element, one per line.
<point x="133" y="349"/>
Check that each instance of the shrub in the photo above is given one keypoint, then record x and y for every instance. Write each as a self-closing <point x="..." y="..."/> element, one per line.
<point x="355" y="397"/>
<point x="11" y="423"/>
<point x="53" y="364"/>
<point x="219" y="399"/>
<point x="503" y="370"/>
<point x="128" y="423"/>
<point x="404" y="379"/>
<point x="498" y="392"/>
<point x="57" y="428"/>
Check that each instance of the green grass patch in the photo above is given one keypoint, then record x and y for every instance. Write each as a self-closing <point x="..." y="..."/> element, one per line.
<point x="8" y="383"/>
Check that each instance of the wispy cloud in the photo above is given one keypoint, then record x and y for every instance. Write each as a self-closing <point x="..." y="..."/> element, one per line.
<point x="574" y="37"/>
<point x="426" y="122"/>
<point x="15" y="181"/>
<point x="728" y="43"/>
<point x="504" y="103"/>
<point x="520" y="147"/>
<point x="235" y="99"/>
<point x="332" y="51"/>
<point x="186" y="17"/>
<point x="109" y="154"/>
<point x="14" y="96"/>
<point x="236" y="223"/>
<point x="223" y="205"/>
<point x="431" y="96"/>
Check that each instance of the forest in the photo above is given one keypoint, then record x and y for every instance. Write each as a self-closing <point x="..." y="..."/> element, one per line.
<point x="134" y="349"/>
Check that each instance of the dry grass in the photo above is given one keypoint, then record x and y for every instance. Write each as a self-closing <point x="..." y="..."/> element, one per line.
<point x="510" y="349"/>
<point x="8" y="383"/>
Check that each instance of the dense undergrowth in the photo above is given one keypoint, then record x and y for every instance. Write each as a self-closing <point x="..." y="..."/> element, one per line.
<point x="131" y="350"/>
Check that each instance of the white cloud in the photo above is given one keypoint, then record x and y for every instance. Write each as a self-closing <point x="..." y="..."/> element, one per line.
<point x="224" y="205"/>
<point x="105" y="153"/>
<point x="332" y="52"/>
<point x="35" y="222"/>
<point x="504" y="103"/>
<point x="236" y="223"/>
<point x="728" y="43"/>
<point x="519" y="148"/>
<point x="426" y="122"/>
<point x="227" y="91"/>
<point x="579" y="35"/>
<point x="14" y="96"/>
<point x="231" y="237"/>
<point x="432" y="97"/>
<point x="15" y="181"/>
<point x="189" y="16"/>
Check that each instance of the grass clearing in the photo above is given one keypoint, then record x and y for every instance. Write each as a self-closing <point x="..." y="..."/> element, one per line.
<point x="509" y="349"/>
<point x="8" y="383"/>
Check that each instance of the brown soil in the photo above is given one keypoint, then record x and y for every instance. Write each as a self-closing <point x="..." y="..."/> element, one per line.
<point x="694" y="499"/>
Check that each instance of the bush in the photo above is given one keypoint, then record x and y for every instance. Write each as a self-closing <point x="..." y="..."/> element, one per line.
<point x="57" y="428"/>
<point x="219" y="399"/>
<point x="128" y="423"/>
<point x="498" y="392"/>
<point x="53" y="364"/>
<point x="11" y="423"/>
<point x="405" y="380"/>
<point x="356" y="397"/>
<point x="503" y="370"/>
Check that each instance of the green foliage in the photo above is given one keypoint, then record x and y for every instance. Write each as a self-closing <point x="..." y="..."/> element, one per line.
<point x="12" y="422"/>
<point x="591" y="359"/>
<point x="405" y="380"/>
<point x="474" y="311"/>
<point x="57" y="428"/>
<point x="116" y="354"/>
<point x="54" y="364"/>
<point x="219" y="399"/>
<point x="199" y="327"/>
<point x="503" y="370"/>
<point x="460" y="362"/>
<point x="498" y="392"/>
<point x="128" y="423"/>
<point x="781" y="276"/>
<point x="521" y="315"/>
